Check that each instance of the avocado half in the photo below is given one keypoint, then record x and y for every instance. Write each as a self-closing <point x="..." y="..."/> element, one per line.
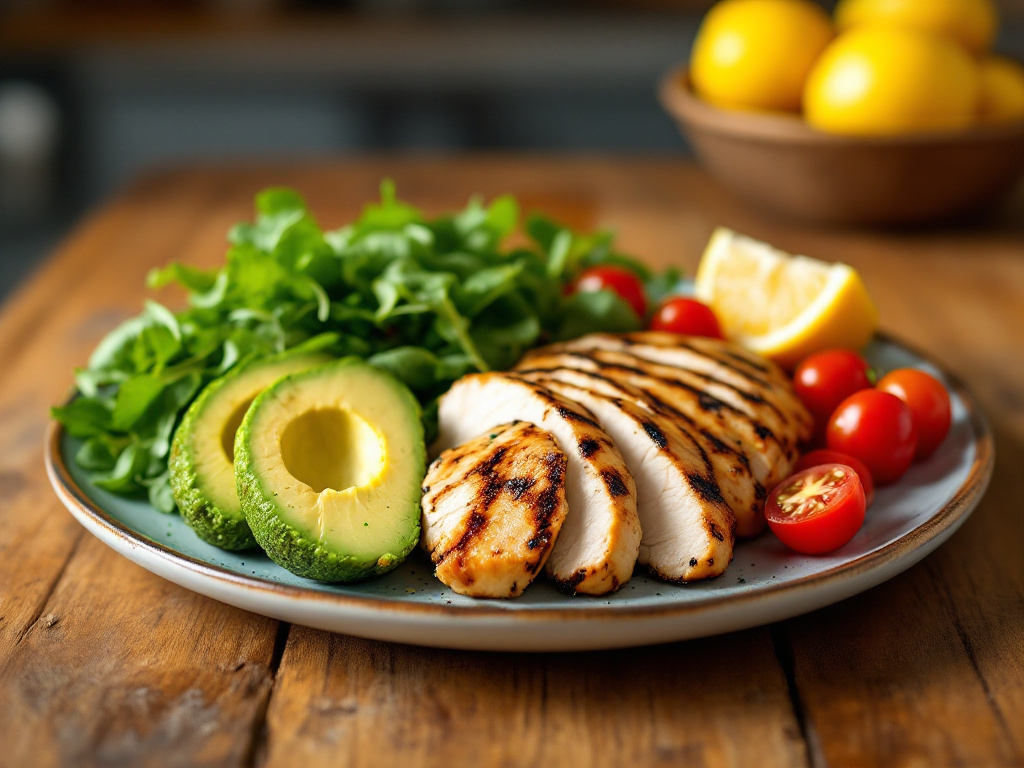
<point x="201" y="461"/>
<point x="328" y="466"/>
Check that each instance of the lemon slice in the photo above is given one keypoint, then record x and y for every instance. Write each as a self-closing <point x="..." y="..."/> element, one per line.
<point x="782" y="306"/>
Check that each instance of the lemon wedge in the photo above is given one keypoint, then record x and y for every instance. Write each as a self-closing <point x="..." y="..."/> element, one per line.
<point x="782" y="306"/>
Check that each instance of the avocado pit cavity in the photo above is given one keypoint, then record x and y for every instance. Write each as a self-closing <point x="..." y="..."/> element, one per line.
<point x="332" y="448"/>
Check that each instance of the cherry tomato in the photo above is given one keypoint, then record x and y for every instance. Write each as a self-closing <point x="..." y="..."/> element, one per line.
<point x="688" y="317"/>
<point x="825" y="379"/>
<point x="825" y="456"/>
<point x="617" y="280"/>
<point x="877" y="428"/>
<point x="928" y="401"/>
<point x="817" y="510"/>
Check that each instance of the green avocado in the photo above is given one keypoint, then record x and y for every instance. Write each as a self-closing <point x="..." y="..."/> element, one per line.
<point x="328" y="466"/>
<point x="202" y="453"/>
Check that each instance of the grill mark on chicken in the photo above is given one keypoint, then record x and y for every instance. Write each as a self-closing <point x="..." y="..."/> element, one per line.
<point x="588" y="447"/>
<point x="716" y="533"/>
<point x="476" y="523"/>
<point x="693" y="562"/>
<point x="517" y="486"/>
<point x="568" y="415"/>
<point x="656" y="435"/>
<point x="486" y="467"/>
<point x="707" y="489"/>
<point x="616" y="485"/>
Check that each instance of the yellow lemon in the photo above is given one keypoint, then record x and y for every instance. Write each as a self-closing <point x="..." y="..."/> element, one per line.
<point x="972" y="23"/>
<point x="784" y="307"/>
<point x="885" y="80"/>
<point x="1002" y="90"/>
<point x="755" y="54"/>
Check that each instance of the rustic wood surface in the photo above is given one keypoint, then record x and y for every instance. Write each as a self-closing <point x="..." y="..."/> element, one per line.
<point x="102" y="663"/>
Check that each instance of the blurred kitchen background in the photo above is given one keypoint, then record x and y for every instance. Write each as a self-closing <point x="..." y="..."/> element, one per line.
<point x="94" y="92"/>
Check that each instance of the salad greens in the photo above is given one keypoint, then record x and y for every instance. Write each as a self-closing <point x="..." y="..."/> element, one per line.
<point x="429" y="300"/>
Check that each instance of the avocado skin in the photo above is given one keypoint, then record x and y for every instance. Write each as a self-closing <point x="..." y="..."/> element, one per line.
<point x="210" y="523"/>
<point x="288" y="547"/>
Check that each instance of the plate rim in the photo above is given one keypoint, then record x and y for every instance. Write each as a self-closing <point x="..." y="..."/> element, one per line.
<point x="950" y="516"/>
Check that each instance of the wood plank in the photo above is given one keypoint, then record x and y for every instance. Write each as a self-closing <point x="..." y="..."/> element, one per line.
<point x="124" y="668"/>
<point x="341" y="700"/>
<point x="99" y="660"/>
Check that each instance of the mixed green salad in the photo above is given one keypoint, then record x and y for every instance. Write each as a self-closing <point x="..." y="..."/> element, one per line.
<point x="426" y="299"/>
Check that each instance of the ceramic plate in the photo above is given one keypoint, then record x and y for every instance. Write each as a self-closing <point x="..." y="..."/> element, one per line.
<point x="764" y="583"/>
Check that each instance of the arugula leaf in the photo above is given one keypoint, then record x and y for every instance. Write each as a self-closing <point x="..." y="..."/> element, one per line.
<point x="427" y="299"/>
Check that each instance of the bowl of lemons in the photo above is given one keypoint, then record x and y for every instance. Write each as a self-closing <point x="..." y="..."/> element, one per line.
<point x="888" y="112"/>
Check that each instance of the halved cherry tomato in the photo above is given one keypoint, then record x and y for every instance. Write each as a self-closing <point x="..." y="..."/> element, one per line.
<point x="817" y="510"/>
<point x="825" y="379"/>
<point x="825" y="456"/>
<point x="617" y="280"/>
<point x="877" y="428"/>
<point x="928" y="401"/>
<point x="689" y="317"/>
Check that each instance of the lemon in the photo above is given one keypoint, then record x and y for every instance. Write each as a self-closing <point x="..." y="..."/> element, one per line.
<point x="972" y="23"/>
<point x="782" y="306"/>
<point x="1002" y="89"/>
<point x="756" y="54"/>
<point x="885" y="80"/>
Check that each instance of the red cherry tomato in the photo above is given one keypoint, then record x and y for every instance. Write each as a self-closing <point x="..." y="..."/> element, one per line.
<point x="877" y="428"/>
<point x="928" y="401"/>
<point x="688" y="317"/>
<point x="825" y="456"/>
<point x="617" y="280"/>
<point x="824" y="380"/>
<point x="817" y="510"/>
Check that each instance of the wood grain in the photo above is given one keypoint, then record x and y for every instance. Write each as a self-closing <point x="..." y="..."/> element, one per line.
<point x="102" y="663"/>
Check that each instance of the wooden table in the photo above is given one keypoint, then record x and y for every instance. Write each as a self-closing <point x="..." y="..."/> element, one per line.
<point x="103" y="663"/>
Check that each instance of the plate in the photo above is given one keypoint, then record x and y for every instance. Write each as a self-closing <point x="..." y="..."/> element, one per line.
<point x="764" y="583"/>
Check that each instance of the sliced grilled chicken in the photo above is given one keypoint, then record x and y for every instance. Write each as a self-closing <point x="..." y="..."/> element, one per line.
<point x="492" y="510"/>
<point x="600" y="538"/>
<point x="724" y="376"/>
<point x="687" y="524"/>
<point x="744" y="495"/>
<point x="770" y="459"/>
<point x="770" y="423"/>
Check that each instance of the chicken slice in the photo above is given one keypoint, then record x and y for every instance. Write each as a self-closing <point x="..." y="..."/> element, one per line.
<point x="687" y="524"/>
<point x="725" y="377"/>
<point x="600" y="538"/>
<point x="744" y="495"/>
<point x="770" y="460"/>
<point x="492" y="510"/>
<point x="773" y="424"/>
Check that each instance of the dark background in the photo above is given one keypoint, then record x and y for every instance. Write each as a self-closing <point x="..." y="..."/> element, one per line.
<point x="93" y="93"/>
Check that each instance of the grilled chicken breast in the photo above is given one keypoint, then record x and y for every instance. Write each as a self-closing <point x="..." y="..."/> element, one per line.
<point x="744" y="495"/>
<point x="600" y="538"/>
<point x="492" y="510"/>
<point x="687" y="525"/>
<point x="719" y="363"/>
<point x="769" y="459"/>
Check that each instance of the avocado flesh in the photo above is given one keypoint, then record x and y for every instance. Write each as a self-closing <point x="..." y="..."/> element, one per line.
<point x="201" y="460"/>
<point x="328" y="466"/>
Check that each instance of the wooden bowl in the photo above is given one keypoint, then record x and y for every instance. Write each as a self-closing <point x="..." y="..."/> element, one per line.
<point x="780" y="163"/>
